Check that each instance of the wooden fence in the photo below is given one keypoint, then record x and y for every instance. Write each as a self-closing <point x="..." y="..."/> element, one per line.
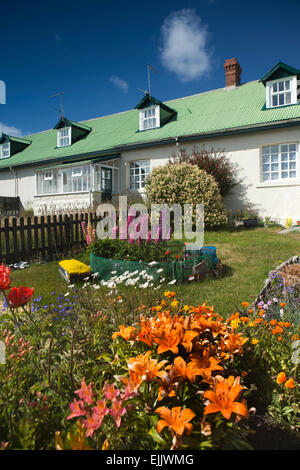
<point x="44" y="238"/>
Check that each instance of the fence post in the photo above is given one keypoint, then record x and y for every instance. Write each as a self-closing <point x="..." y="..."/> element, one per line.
<point x="6" y="236"/>
<point x="29" y="237"/>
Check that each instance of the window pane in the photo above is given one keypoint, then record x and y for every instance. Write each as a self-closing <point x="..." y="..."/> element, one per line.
<point x="285" y="174"/>
<point x="274" y="167"/>
<point x="274" y="149"/>
<point x="284" y="148"/>
<point x="288" y="98"/>
<point x="292" y="166"/>
<point x="284" y="166"/>
<point x="292" y="174"/>
<point x="284" y="157"/>
<point x="287" y="84"/>
<point x="274" y="87"/>
<point x="292" y="147"/>
<point x="274" y="100"/>
<point x="274" y="176"/>
<point x="281" y="86"/>
<point x="266" y="150"/>
<point x="266" y="167"/>
<point x="274" y="158"/>
<point x="292" y="155"/>
<point x="281" y="99"/>
<point x="266" y="176"/>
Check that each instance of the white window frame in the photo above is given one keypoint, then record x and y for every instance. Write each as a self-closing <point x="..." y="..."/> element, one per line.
<point x="61" y="137"/>
<point x="132" y="163"/>
<point x="287" y="161"/>
<point x="292" y="90"/>
<point x="48" y="175"/>
<point x="145" y="119"/>
<point x="2" y="150"/>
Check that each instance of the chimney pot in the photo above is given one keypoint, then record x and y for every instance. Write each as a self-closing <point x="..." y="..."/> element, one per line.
<point x="232" y="72"/>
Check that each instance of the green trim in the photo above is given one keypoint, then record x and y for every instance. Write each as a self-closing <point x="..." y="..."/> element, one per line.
<point x="10" y="138"/>
<point x="290" y="70"/>
<point x="65" y="122"/>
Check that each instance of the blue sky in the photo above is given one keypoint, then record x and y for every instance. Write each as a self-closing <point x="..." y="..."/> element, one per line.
<point x="97" y="51"/>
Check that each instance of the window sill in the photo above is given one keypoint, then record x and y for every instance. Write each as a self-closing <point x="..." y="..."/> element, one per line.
<point x="62" y="194"/>
<point x="277" y="184"/>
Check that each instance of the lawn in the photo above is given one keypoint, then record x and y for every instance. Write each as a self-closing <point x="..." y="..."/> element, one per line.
<point x="247" y="257"/>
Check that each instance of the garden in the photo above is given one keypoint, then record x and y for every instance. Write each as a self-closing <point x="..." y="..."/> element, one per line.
<point x="91" y="359"/>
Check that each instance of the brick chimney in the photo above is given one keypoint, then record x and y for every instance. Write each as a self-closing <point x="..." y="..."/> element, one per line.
<point x="232" y="72"/>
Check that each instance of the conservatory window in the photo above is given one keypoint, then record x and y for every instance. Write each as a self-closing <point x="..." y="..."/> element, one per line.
<point x="279" y="162"/>
<point x="68" y="180"/>
<point x="64" y="137"/>
<point x="139" y="170"/>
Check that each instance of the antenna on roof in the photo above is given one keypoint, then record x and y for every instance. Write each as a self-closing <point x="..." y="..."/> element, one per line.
<point x="150" y="67"/>
<point x="61" y="111"/>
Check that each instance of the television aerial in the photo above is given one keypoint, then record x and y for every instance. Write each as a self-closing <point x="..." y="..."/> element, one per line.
<point x="60" y="110"/>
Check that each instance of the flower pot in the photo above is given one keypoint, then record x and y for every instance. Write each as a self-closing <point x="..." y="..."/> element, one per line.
<point x="250" y="223"/>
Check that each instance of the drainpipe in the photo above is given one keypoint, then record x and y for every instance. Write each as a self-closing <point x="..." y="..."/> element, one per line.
<point x="16" y="181"/>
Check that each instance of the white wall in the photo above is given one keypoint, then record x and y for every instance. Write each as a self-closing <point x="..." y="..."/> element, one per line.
<point x="276" y="200"/>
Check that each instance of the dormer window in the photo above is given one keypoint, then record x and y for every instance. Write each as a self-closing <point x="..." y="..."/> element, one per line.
<point x="64" y="136"/>
<point x="282" y="86"/>
<point x="5" y="150"/>
<point x="149" y="118"/>
<point x="153" y="113"/>
<point x="281" y="92"/>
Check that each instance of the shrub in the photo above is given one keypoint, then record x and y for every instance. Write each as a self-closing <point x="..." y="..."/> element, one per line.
<point x="181" y="183"/>
<point x="215" y="163"/>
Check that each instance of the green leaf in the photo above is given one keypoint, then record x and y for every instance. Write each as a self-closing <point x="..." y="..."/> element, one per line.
<point x="156" y="436"/>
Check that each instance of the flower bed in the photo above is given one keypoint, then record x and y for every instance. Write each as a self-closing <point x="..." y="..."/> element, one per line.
<point x="92" y="370"/>
<point x="73" y="270"/>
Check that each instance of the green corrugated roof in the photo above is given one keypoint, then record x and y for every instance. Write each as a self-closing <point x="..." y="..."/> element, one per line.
<point x="207" y="113"/>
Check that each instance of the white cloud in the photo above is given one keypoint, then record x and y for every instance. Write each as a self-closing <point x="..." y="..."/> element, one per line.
<point x="119" y="83"/>
<point x="184" y="48"/>
<point x="10" y="130"/>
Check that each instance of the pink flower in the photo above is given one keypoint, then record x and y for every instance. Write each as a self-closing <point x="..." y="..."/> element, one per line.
<point x="85" y="392"/>
<point x="110" y="391"/>
<point x="129" y="389"/>
<point x="77" y="409"/>
<point x="117" y="411"/>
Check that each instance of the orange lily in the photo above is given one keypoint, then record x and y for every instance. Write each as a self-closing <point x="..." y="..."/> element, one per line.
<point x="145" y="368"/>
<point x="204" y="364"/>
<point x="177" y="419"/>
<point x="128" y="333"/>
<point x="223" y="399"/>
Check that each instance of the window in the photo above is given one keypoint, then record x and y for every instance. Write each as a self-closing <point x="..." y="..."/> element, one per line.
<point x="67" y="180"/>
<point x="279" y="162"/>
<point x="138" y="173"/>
<point x="149" y="118"/>
<point x="64" y="137"/>
<point x="5" y="150"/>
<point x="282" y="92"/>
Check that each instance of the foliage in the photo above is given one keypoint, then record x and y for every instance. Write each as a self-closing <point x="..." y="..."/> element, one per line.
<point x="123" y="250"/>
<point x="182" y="183"/>
<point x="215" y="163"/>
<point x="276" y="350"/>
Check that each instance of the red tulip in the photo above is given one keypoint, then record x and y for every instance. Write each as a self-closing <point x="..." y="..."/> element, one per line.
<point x="4" y="281"/>
<point x="19" y="296"/>
<point x="4" y="269"/>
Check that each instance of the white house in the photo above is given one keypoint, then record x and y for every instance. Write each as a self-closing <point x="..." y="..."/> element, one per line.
<point x="76" y="165"/>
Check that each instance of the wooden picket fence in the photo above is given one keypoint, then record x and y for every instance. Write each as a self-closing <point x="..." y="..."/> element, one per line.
<point x="42" y="238"/>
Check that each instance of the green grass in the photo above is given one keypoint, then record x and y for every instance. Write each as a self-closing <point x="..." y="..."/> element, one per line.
<point x="247" y="256"/>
